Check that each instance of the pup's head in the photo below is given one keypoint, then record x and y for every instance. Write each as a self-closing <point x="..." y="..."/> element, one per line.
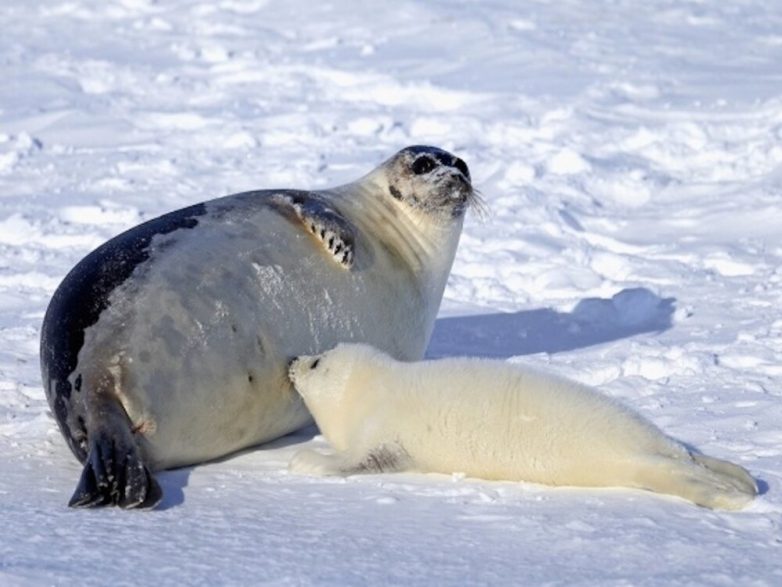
<point x="325" y="377"/>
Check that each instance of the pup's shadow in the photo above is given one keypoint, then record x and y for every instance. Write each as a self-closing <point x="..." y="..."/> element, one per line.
<point x="593" y="321"/>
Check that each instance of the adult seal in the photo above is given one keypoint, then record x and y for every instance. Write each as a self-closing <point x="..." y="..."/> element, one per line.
<point x="168" y="345"/>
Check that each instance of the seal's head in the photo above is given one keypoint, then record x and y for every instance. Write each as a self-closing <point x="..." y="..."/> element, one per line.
<point x="430" y="180"/>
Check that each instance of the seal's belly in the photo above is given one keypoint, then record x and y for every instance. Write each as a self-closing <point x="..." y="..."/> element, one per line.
<point x="201" y="339"/>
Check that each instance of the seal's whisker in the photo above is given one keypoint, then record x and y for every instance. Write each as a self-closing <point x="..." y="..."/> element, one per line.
<point x="477" y="202"/>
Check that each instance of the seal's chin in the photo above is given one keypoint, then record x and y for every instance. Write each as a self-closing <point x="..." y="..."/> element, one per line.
<point x="292" y="366"/>
<point x="455" y="195"/>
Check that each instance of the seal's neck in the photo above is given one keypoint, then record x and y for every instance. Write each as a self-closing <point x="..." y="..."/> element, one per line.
<point x="425" y="243"/>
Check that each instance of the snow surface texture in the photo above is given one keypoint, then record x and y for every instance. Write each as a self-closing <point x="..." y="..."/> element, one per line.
<point x="631" y="156"/>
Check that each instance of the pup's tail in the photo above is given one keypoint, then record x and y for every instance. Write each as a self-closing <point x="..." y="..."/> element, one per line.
<point x="705" y="481"/>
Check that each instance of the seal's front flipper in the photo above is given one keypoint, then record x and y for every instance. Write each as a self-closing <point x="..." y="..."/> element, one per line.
<point x="326" y="224"/>
<point x="114" y="473"/>
<point x="310" y="462"/>
<point x="383" y="459"/>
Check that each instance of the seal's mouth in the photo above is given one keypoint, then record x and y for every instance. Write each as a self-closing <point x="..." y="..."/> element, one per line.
<point x="297" y="364"/>
<point x="461" y="195"/>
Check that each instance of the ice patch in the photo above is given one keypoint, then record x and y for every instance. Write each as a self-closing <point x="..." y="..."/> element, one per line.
<point x="108" y="214"/>
<point x="240" y="140"/>
<point x="32" y="280"/>
<point x="728" y="267"/>
<point x="172" y="120"/>
<point x="520" y="24"/>
<point x="15" y="148"/>
<point x="567" y="162"/>
<point x="18" y="230"/>
<point x="214" y="53"/>
<point x="518" y="173"/>
<point x="366" y="126"/>
<point x="628" y="188"/>
<point x="613" y="266"/>
<point x="429" y="127"/>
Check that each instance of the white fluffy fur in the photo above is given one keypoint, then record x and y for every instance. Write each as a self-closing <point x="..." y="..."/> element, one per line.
<point x="494" y="420"/>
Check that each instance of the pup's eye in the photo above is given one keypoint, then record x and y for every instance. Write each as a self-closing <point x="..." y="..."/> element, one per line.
<point x="423" y="165"/>
<point x="315" y="364"/>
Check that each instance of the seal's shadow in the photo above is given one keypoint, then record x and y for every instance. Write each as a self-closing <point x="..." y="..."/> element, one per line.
<point x="174" y="481"/>
<point x="593" y="321"/>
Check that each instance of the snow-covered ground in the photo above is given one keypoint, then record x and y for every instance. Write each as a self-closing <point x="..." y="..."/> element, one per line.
<point x="631" y="157"/>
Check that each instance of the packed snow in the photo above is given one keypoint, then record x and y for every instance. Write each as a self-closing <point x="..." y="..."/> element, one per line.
<point x="630" y="155"/>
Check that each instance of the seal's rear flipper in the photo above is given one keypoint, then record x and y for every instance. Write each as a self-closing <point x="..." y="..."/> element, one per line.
<point x="114" y="473"/>
<point x="706" y="481"/>
<point x="115" y="477"/>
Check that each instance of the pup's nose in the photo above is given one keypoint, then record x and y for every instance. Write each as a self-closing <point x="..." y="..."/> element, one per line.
<point x="292" y="363"/>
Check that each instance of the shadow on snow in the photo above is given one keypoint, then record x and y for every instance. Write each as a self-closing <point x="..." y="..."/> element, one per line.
<point x="593" y="321"/>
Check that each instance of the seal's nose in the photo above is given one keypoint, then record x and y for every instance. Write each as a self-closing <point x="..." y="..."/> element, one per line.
<point x="462" y="167"/>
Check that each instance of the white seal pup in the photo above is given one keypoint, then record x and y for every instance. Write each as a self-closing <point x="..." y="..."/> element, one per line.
<point x="494" y="420"/>
<point x="169" y="345"/>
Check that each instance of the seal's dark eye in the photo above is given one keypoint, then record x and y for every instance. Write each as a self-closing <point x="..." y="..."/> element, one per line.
<point x="423" y="165"/>
<point x="462" y="166"/>
<point x="315" y="364"/>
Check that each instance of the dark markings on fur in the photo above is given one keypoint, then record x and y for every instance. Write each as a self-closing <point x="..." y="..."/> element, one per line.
<point x="83" y="295"/>
<point x="424" y="164"/>
<point x="443" y="157"/>
<point x="451" y="182"/>
<point x="383" y="459"/>
<point x="323" y="221"/>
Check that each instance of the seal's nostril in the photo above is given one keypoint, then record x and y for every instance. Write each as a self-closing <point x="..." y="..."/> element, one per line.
<point x="315" y="363"/>
<point x="292" y="362"/>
